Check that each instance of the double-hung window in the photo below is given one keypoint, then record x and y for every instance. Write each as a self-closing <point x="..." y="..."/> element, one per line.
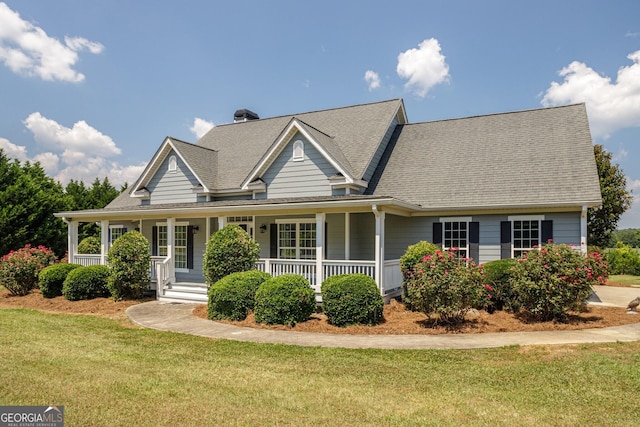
<point x="526" y="236"/>
<point x="523" y="233"/>
<point x="115" y="231"/>
<point x="296" y="239"/>
<point x="456" y="235"/>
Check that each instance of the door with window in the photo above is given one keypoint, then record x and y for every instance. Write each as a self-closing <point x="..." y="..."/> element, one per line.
<point x="182" y="244"/>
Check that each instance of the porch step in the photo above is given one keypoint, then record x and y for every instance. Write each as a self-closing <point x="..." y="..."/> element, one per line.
<point x="185" y="292"/>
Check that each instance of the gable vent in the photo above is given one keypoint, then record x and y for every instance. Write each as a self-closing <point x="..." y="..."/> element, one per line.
<point x="244" y="115"/>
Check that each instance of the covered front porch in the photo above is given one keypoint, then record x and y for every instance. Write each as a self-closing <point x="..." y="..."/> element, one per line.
<point x="315" y="245"/>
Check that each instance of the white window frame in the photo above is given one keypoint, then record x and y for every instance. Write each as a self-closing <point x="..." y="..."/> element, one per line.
<point x="530" y="247"/>
<point x="463" y="250"/>
<point x="119" y="233"/>
<point x="298" y="150"/>
<point x="175" y="246"/>
<point x="173" y="164"/>
<point x="298" y="248"/>
<point x="248" y="221"/>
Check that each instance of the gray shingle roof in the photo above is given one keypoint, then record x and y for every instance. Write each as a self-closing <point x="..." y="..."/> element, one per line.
<point x="354" y="130"/>
<point x="527" y="158"/>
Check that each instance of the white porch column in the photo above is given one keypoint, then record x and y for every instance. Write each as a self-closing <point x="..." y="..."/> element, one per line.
<point x="379" y="247"/>
<point x="207" y="229"/>
<point x="347" y="236"/>
<point x="72" y="240"/>
<point x="320" y="219"/>
<point x="222" y="221"/>
<point x="171" y="225"/>
<point x="104" y="241"/>
<point x="583" y="230"/>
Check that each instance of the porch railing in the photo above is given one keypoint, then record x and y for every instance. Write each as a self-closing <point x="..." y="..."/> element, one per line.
<point x="87" y="259"/>
<point x="307" y="268"/>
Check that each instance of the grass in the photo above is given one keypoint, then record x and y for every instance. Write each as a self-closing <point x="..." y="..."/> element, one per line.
<point x="623" y="279"/>
<point x="108" y="374"/>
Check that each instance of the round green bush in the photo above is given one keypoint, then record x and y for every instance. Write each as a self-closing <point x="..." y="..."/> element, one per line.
<point x="90" y="245"/>
<point x="229" y="250"/>
<point x="551" y="281"/>
<point x="129" y="258"/>
<point x="350" y="299"/>
<point x="233" y="296"/>
<point x="86" y="283"/>
<point x="497" y="275"/>
<point x="284" y="300"/>
<point x="52" y="278"/>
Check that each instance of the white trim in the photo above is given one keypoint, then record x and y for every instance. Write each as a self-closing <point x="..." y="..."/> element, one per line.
<point x="525" y="218"/>
<point x="295" y="220"/>
<point x="455" y="219"/>
<point x="583" y="230"/>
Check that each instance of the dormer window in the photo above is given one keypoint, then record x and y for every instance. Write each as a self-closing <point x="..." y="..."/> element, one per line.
<point x="173" y="164"/>
<point x="298" y="151"/>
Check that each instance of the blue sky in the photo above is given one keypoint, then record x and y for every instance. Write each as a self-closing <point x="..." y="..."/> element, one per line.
<point x="91" y="88"/>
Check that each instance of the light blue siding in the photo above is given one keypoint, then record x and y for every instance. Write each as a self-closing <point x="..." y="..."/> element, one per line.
<point x="172" y="186"/>
<point x="288" y="178"/>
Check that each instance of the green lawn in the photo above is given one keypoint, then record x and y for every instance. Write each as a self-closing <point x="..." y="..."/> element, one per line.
<point x="109" y="375"/>
<point x="623" y="279"/>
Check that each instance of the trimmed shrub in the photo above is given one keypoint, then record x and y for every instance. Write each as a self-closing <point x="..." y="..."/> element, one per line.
<point x="349" y="299"/>
<point x="233" y="296"/>
<point x="551" y="281"/>
<point x="623" y="259"/>
<point x="90" y="245"/>
<point x="447" y="286"/>
<point x="414" y="255"/>
<point x="229" y="250"/>
<point x="284" y="300"/>
<point x="86" y="283"/>
<point x="497" y="276"/>
<point x="129" y="258"/>
<point x="52" y="278"/>
<point x="19" y="269"/>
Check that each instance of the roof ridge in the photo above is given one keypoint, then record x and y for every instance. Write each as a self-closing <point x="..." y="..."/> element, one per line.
<point x="312" y="112"/>
<point x="500" y="113"/>
<point x="191" y="144"/>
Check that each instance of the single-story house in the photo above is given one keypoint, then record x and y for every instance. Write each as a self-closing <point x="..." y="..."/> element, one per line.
<point x="348" y="189"/>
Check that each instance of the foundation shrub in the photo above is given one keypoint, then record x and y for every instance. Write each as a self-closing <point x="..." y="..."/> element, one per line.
<point x="447" y="286"/>
<point x="90" y="245"/>
<point x="350" y="299"/>
<point x="84" y="283"/>
<point x="19" y="269"/>
<point x="52" y="278"/>
<point x="284" y="300"/>
<point x="129" y="258"/>
<point x="408" y="261"/>
<point x="229" y="250"/>
<point x="233" y="296"/>
<point x="497" y="275"/>
<point x="551" y="281"/>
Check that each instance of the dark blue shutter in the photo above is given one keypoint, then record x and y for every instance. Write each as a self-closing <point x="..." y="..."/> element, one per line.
<point x="474" y="241"/>
<point x="154" y="241"/>
<point x="437" y="233"/>
<point x="505" y="239"/>
<point x="273" y="240"/>
<point x="190" y="247"/>
<point x="547" y="231"/>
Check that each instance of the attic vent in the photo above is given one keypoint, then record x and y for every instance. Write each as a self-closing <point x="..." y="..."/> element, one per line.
<point x="244" y="115"/>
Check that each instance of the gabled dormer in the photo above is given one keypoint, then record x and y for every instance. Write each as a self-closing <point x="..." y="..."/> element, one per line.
<point x="303" y="161"/>
<point x="179" y="172"/>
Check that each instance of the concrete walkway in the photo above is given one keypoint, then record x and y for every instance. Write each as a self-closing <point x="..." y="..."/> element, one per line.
<point x="180" y="318"/>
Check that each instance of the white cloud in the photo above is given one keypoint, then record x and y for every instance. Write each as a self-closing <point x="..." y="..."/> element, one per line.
<point x="13" y="151"/>
<point x="200" y="127"/>
<point x="611" y="105"/>
<point x="27" y="49"/>
<point x="81" y="138"/>
<point x="79" y="153"/>
<point x="373" y="79"/>
<point x="424" y="67"/>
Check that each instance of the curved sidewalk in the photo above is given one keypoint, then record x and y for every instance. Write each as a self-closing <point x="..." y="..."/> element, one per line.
<point x="179" y="318"/>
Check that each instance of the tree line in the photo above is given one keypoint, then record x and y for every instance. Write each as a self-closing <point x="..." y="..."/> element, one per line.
<point x="29" y="198"/>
